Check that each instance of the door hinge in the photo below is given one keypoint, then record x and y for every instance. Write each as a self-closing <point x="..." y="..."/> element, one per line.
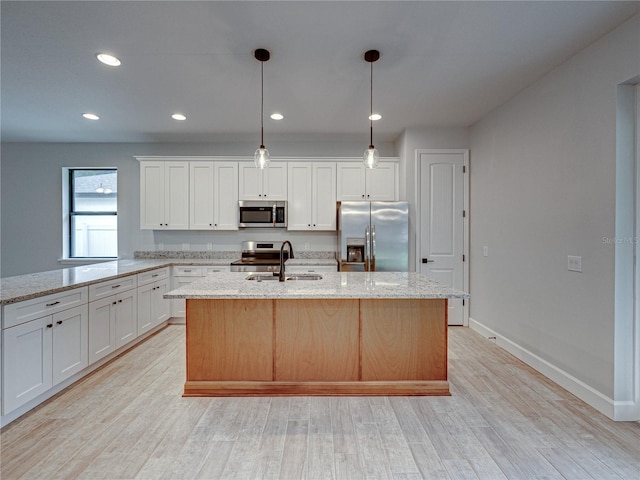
<point x="464" y="169"/>
<point x="463" y="258"/>
<point x="464" y="213"/>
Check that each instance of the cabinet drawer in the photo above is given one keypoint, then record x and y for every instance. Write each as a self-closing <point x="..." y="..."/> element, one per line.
<point x="153" y="276"/>
<point x="21" y="312"/>
<point x="217" y="269"/>
<point x="187" y="271"/>
<point x="111" y="287"/>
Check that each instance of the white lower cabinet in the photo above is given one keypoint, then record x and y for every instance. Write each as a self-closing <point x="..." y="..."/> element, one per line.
<point x="184" y="275"/>
<point x="112" y="323"/>
<point x="153" y="309"/>
<point x="41" y="353"/>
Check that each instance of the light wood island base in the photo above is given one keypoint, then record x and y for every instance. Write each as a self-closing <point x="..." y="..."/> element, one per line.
<point x="283" y="347"/>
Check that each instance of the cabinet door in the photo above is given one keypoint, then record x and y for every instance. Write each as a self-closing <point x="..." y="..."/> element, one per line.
<point x="144" y="308"/>
<point x="152" y="195"/>
<point x="225" y="196"/>
<point x="249" y="181"/>
<point x="126" y="318"/>
<point x="274" y="181"/>
<point x="26" y="361"/>
<point x="324" y="215"/>
<point x="300" y="196"/>
<point x="351" y="181"/>
<point x="160" y="307"/>
<point x="381" y="182"/>
<point x="176" y="195"/>
<point x="201" y="195"/>
<point x="70" y="342"/>
<point x="102" y="332"/>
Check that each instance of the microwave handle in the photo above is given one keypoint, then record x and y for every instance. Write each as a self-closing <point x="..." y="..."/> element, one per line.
<point x="273" y="214"/>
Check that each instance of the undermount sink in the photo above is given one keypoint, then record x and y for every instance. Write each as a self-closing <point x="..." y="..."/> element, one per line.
<point x="295" y="276"/>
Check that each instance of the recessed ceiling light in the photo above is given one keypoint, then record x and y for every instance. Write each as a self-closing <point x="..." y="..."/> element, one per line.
<point x="375" y="116"/>
<point x="178" y="116"/>
<point x="277" y="116"/>
<point x="91" y="116"/>
<point x="108" y="59"/>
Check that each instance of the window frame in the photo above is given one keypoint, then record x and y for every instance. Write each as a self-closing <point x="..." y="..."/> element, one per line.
<point x="71" y="212"/>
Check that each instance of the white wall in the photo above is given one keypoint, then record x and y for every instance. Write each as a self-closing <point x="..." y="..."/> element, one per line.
<point x="543" y="186"/>
<point x="31" y="188"/>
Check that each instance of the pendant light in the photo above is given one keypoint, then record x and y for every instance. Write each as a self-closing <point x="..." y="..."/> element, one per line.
<point x="261" y="157"/>
<point x="371" y="155"/>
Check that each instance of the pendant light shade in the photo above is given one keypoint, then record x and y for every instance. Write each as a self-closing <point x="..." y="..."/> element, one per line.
<point x="371" y="155"/>
<point x="261" y="158"/>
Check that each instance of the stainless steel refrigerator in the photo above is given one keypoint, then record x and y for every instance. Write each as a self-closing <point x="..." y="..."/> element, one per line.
<point x="373" y="236"/>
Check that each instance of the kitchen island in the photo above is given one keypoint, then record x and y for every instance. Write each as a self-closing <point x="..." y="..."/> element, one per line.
<point x="348" y="333"/>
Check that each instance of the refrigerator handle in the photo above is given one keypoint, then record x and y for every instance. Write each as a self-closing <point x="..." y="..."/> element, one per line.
<point x="372" y="259"/>
<point x="367" y="248"/>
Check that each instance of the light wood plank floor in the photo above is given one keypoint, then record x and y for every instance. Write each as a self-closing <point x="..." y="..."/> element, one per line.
<point x="504" y="420"/>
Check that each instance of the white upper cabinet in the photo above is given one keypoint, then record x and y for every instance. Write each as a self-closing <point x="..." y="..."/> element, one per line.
<point x="164" y="195"/>
<point x="262" y="184"/>
<point x="213" y="195"/>
<point x="355" y="182"/>
<point x="312" y="196"/>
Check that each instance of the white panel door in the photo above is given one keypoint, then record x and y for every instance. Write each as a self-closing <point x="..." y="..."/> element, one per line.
<point x="442" y="223"/>
<point x="26" y="362"/>
<point x="225" y="196"/>
<point x="274" y="181"/>
<point x="351" y="181"/>
<point x="324" y="215"/>
<point x="126" y="318"/>
<point x="300" y="196"/>
<point x="176" y="199"/>
<point x="70" y="342"/>
<point x="381" y="182"/>
<point x="249" y="181"/>
<point x="151" y="195"/>
<point x="201" y="195"/>
<point x="102" y="332"/>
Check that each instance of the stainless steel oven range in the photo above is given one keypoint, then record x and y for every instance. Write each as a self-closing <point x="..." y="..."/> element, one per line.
<point x="259" y="257"/>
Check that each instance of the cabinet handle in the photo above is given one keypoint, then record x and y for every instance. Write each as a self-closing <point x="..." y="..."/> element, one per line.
<point x="52" y="304"/>
<point x="50" y="325"/>
<point x="119" y="301"/>
<point x="114" y="303"/>
<point x="59" y="322"/>
<point x="116" y="286"/>
<point x="155" y="274"/>
<point x="363" y="195"/>
<point x="187" y="270"/>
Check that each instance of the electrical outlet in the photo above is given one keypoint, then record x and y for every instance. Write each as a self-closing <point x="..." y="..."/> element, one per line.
<point x="485" y="251"/>
<point x="306" y="246"/>
<point x="185" y="246"/>
<point x="574" y="263"/>
<point x="209" y="246"/>
<point x="161" y="246"/>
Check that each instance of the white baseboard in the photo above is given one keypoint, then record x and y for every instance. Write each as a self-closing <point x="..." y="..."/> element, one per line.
<point x="619" y="411"/>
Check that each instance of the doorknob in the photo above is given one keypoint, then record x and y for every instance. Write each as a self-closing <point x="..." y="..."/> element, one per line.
<point x="426" y="260"/>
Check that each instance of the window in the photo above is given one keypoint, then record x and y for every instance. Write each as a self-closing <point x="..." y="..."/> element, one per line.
<point x="93" y="213"/>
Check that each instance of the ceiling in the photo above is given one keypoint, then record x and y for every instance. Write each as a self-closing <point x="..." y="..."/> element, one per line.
<point x="442" y="64"/>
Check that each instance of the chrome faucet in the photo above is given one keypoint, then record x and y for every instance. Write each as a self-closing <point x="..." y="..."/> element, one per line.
<point x="281" y="273"/>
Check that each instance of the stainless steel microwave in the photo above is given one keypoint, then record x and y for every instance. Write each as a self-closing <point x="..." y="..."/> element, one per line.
<point x="262" y="214"/>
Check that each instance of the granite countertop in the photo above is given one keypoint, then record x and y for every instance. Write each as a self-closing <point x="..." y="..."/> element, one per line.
<point x="332" y="285"/>
<point x="24" y="287"/>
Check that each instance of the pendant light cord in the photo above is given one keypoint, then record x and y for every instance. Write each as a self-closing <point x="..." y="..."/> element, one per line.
<point x="371" y="108"/>
<point x="261" y="104"/>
